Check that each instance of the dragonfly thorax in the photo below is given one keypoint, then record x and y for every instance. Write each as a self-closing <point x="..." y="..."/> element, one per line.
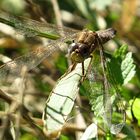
<point x="86" y="43"/>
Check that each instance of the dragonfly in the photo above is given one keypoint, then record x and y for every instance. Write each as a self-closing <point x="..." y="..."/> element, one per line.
<point x="81" y="52"/>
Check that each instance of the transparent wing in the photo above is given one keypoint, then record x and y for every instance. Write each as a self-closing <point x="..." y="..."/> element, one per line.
<point x="30" y="60"/>
<point x="32" y="28"/>
<point x="56" y="114"/>
<point x="106" y="101"/>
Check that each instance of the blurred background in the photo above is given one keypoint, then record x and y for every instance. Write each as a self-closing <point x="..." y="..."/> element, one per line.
<point x="123" y="15"/>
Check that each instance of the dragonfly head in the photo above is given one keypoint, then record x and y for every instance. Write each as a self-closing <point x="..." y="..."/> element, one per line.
<point x="79" y="52"/>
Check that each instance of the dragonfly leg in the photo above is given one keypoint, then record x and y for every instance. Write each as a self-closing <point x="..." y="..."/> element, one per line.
<point x="72" y="67"/>
<point x="83" y="73"/>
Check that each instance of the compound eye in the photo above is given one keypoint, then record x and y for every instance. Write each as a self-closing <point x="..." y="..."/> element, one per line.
<point x="84" y="50"/>
<point x="73" y="47"/>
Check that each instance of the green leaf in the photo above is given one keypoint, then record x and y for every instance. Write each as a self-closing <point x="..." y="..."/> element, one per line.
<point x="129" y="132"/>
<point x="63" y="137"/>
<point x="136" y="108"/>
<point x="28" y="137"/>
<point x="121" y="52"/>
<point x="128" y="68"/>
<point x="121" y="66"/>
<point x="115" y="73"/>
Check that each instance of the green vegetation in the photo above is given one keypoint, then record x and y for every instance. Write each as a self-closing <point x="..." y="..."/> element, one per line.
<point x="24" y="90"/>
